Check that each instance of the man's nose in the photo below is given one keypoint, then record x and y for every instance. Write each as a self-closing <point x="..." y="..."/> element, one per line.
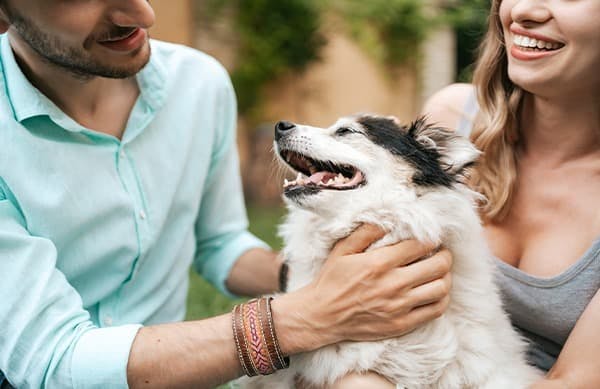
<point x="282" y="128"/>
<point x="133" y="13"/>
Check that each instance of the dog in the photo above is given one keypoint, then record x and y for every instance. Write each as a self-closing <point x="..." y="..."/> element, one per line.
<point x="410" y="181"/>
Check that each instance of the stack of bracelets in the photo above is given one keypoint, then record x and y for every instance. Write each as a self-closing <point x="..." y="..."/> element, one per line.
<point x="255" y="339"/>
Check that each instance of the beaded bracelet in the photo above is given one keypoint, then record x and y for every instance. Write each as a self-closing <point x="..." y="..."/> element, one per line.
<point x="255" y="339"/>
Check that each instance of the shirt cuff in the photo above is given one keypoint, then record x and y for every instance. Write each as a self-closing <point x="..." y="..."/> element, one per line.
<point x="217" y="269"/>
<point x="100" y="357"/>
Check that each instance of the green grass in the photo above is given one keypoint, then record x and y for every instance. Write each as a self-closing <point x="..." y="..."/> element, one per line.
<point x="206" y="301"/>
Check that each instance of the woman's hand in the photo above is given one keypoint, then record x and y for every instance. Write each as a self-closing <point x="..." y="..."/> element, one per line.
<point x="358" y="296"/>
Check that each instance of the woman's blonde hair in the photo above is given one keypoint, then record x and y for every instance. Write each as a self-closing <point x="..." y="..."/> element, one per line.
<point x="496" y="126"/>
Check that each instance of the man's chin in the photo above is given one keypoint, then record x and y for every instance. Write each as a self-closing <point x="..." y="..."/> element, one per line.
<point x="123" y="67"/>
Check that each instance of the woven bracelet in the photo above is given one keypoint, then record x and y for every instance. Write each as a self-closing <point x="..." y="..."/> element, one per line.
<point x="255" y="339"/>
<point x="240" y="342"/>
<point x="281" y="361"/>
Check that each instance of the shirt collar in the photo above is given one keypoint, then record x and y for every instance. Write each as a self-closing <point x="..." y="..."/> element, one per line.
<point x="152" y="80"/>
<point x="27" y="101"/>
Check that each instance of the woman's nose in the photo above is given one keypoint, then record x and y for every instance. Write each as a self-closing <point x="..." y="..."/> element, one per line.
<point x="527" y="12"/>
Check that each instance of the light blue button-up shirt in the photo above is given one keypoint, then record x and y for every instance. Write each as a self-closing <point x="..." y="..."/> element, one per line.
<point x="97" y="234"/>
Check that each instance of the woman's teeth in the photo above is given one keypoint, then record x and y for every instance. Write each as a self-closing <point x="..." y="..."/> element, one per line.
<point x="525" y="41"/>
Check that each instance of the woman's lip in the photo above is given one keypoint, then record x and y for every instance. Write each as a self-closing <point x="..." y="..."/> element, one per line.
<point x="529" y="55"/>
<point x="521" y="31"/>
<point x="130" y="42"/>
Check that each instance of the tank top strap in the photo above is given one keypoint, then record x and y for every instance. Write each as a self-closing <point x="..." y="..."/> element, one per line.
<point x="467" y="117"/>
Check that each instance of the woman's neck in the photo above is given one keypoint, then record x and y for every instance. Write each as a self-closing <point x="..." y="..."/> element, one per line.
<point x="561" y="129"/>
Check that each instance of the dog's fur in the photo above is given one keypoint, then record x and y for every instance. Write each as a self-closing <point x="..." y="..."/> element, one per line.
<point x="413" y="187"/>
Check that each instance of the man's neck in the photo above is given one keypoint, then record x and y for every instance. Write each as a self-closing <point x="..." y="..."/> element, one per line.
<point x="561" y="129"/>
<point x="98" y="103"/>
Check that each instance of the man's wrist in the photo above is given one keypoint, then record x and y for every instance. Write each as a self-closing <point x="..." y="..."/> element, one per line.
<point x="296" y="324"/>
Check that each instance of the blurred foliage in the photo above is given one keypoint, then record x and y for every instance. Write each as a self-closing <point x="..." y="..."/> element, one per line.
<point x="283" y="37"/>
<point x="391" y="31"/>
<point x="469" y="19"/>
<point x="275" y="37"/>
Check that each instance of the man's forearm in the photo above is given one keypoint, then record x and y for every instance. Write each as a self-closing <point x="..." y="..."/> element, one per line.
<point x="255" y="273"/>
<point x="198" y="354"/>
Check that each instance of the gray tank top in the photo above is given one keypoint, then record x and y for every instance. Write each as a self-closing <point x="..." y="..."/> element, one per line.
<point x="544" y="310"/>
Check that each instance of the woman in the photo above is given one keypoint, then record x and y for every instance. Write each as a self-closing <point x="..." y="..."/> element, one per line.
<point x="535" y="114"/>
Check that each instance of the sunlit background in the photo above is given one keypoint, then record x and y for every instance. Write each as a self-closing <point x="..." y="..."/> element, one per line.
<point x="312" y="61"/>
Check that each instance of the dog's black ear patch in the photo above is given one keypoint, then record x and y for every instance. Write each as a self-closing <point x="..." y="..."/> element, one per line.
<point x="403" y="141"/>
<point x="456" y="153"/>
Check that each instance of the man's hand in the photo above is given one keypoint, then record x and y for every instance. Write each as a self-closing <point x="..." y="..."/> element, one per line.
<point x="360" y="296"/>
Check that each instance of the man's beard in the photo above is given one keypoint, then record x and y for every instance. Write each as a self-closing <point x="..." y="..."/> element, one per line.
<point x="74" y="60"/>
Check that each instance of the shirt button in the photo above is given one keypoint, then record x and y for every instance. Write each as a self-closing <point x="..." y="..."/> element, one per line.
<point x="122" y="154"/>
<point x="108" y="321"/>
<point x="142" y="215"/>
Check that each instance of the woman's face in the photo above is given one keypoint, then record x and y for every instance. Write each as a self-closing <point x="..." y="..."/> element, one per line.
<point x="553" y="46"/>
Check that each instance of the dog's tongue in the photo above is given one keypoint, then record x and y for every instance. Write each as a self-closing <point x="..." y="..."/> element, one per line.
<point x="321" y="177"/>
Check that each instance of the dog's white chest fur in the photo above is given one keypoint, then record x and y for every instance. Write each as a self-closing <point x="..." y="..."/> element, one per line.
<point x="473" y="345"/>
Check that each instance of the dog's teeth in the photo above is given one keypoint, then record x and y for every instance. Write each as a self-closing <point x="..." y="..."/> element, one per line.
<point x="299" y="176"/>
<point x="330" y="181"/>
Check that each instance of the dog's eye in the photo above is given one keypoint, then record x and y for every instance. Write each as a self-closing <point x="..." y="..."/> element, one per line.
<point x="344" y="131"/>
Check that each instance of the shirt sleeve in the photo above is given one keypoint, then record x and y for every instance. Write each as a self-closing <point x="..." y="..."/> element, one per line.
<point x="46" y="337"/>
<point x="221" y="227"/>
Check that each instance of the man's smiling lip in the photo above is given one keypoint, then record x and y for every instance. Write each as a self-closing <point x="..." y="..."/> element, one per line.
<point x="128" y="43"/>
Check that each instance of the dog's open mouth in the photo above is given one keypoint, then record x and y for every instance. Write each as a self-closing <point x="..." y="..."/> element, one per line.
<point x="316" y="174"/>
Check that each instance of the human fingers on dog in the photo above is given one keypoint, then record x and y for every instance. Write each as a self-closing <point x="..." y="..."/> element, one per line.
<point x="358" y="240"/>
<point x="400" y="254"/>
<point x="426" y="313"/>
<point x="401" y="321"/>
<point x="430" y="292"/>
<point x="427" y="269"/>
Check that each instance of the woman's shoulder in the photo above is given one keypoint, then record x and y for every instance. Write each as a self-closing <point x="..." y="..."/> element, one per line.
<point x="447" y="106"/>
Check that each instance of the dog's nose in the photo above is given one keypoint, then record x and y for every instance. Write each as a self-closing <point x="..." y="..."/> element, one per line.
<point x="282" y="127"/>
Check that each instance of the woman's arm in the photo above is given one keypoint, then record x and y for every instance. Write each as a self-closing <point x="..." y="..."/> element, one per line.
<point x="578" y="365"/>
<point x="445" y="107"/>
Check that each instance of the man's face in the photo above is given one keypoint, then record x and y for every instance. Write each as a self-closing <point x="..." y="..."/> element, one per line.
<point x="106" y="38"/>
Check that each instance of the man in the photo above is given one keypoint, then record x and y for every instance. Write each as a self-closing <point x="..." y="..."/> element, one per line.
<point x="118" y="171"/>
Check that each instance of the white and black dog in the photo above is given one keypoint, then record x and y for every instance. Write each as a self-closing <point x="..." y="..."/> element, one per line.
<point x="410" y="182"/>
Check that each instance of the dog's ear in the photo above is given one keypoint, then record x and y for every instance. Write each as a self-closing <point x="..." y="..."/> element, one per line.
<point x="456" y="152"/>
